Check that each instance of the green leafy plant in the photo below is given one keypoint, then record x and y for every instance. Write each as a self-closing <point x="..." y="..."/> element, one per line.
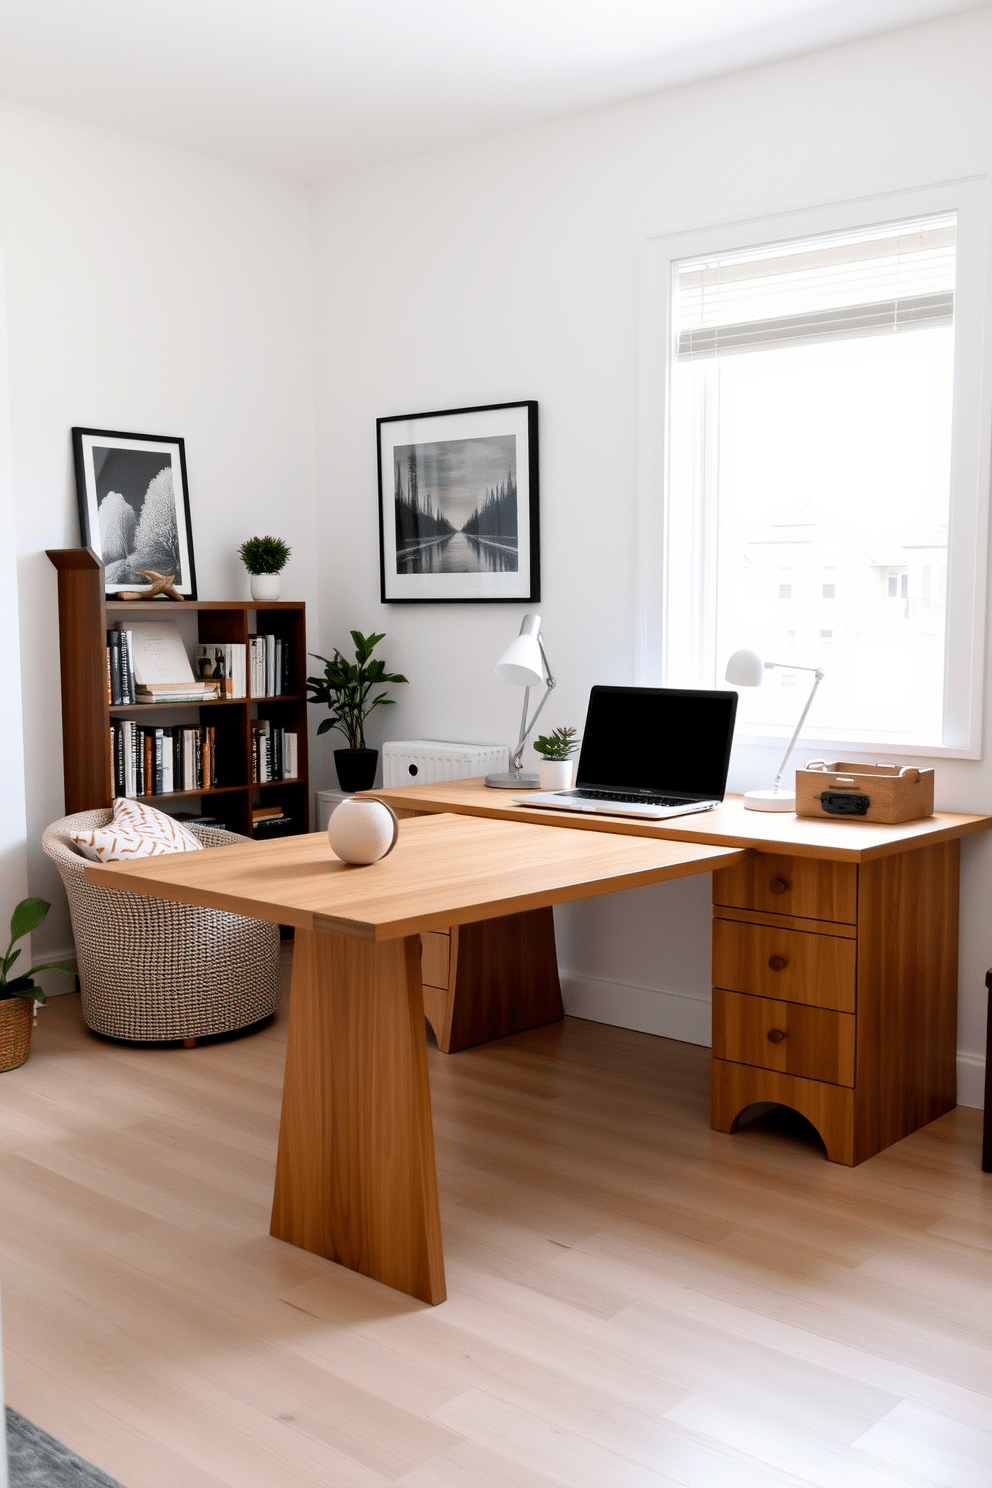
<point x="557" y="745"/>
<point x="26" y="917"/>
<point x="264" y="555"/>
<point x="346" y="686"/>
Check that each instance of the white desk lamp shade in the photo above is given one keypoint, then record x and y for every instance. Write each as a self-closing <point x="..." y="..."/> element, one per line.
<point x="746" y="669"/>
<point x="521" y="664"/>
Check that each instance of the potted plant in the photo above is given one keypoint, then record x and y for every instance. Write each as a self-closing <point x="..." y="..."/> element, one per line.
<point x="19" y="994"/>
<point x="265" y="558"/>
<point x="556" y="764"/>
<point x="346" y="689"/>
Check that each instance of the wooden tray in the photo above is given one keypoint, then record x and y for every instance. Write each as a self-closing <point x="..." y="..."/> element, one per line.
<point x="873" y="793"/>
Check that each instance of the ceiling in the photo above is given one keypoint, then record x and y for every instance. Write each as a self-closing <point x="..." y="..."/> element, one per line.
<point x="313" y="88"/>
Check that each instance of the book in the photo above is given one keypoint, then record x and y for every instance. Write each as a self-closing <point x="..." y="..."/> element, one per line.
<point x="168" y="761"/>
<point x="114" y="665"/>
<point x="158" y="654"/>
<point x="158" y="746"/>
<point x="263" y="813"/>
<point x="167" y="692"/>
<point x="127" y="667"/>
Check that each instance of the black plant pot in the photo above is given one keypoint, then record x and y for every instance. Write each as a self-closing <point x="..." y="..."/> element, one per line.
<point x="356" y="768"/>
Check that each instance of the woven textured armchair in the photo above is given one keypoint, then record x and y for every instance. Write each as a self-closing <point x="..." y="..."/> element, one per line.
<point x="149" y="969"/>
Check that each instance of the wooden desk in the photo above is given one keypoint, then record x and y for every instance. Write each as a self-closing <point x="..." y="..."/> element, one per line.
<point x="834" y="960"/>
<point x="355" y="1176"/>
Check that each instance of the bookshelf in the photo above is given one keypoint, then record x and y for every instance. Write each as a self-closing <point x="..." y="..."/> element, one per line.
<point x="85" y="616"/>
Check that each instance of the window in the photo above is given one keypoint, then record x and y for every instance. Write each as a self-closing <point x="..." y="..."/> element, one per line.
<point x="817" y="403"/>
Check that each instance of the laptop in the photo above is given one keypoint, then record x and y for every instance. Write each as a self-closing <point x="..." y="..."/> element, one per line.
<point x="651" y="752"/>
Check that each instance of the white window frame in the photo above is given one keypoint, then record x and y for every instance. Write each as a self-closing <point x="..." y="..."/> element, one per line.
<point x="971" y="441"/>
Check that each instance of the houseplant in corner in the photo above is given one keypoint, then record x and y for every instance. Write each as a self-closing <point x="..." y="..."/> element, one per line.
<point x="346" y="689"/>
<point x="556" y="763"/>
<point x="265" y="558"/>
<point x="19" y="994"/>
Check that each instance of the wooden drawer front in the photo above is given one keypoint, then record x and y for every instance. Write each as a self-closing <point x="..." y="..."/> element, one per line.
<point x="818" y="970"/>
<point x="807" y="1041"/>
<point x="790" y="886"/>
<point x="435" y="958"/>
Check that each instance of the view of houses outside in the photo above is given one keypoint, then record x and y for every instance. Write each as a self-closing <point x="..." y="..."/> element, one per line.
<point x="831" y="477"/>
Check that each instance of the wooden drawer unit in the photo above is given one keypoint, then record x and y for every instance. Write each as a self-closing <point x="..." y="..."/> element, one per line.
<point x="854" y="964"/>
<point x="811" y="1042"/>
<point x="808" y="887"/>
<point x="790" y="965"/>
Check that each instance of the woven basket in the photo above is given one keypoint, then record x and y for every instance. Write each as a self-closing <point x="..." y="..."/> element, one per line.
<point x="151" y="970"/>
<point x="16" y="1014"/>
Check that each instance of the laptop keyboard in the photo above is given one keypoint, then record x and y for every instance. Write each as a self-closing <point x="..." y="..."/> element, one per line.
<point x="636" y="800"/>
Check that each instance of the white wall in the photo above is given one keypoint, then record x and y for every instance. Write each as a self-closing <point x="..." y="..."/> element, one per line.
<point x="13" y="858"/>
<point x="509" y="269"/>
<point x="158" y="292"/>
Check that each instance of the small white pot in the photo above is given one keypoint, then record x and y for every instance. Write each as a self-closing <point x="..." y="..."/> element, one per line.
<point x="362" y="831"/>
<point x="556" y="774"/>
<point x="265" y="586"/>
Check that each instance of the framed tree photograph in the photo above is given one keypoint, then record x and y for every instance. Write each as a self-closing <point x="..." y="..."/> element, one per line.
<point x="134" y="507"/>
<point x="458" y="505"/>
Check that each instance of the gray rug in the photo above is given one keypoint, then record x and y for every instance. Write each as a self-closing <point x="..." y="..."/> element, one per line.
<point x="37" y="1460"/>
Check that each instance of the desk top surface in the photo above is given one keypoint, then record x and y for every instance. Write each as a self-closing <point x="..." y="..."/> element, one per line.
<point x="729" y="825"/>
<point x="444" y="870"/>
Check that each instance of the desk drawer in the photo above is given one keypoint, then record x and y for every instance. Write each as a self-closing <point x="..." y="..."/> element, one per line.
<point x="790" y="886"/>
<point x="807" y="1041"/>
<point x="789" y="965"/>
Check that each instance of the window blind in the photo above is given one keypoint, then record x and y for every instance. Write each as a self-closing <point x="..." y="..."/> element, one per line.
<point x="816" y="289"/>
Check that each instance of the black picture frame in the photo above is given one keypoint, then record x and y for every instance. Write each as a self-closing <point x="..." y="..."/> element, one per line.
<point x="458" y="506"/>
<point x="148" y="525"/>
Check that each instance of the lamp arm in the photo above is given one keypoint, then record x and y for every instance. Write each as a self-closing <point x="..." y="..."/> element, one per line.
<point x="516" y="762"/>
<point x="802" y="719"/>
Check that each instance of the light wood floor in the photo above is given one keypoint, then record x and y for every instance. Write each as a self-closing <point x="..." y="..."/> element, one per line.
<point x="634" y="1299"/>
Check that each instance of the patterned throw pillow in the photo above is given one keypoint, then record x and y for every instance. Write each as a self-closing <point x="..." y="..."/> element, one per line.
<point x="136" y="831"/>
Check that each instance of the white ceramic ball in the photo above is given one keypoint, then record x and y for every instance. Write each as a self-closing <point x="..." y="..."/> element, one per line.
<point x="362" y="832"/>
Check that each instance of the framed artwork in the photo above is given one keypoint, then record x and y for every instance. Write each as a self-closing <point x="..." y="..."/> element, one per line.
<point x="134" y="507"/>
<point x="458" y="506"/>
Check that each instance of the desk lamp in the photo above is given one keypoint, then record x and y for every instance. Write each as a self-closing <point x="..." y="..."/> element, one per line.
<point x="746" y="669"/>
<point x="524" y="664"/>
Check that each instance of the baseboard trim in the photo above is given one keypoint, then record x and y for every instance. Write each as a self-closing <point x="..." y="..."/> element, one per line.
<point x="54" y="985"/>
<point x="671" y="1015"/>
<point x="686" y="1018"/>
<point x="971" y="1080"/>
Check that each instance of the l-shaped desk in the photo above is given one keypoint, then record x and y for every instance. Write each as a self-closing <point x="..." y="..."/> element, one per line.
<point x="835" y="962"/>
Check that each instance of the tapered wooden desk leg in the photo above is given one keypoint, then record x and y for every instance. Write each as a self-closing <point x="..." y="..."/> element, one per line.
<point x="503" y="979"/>
<point x="355" y="1176"/>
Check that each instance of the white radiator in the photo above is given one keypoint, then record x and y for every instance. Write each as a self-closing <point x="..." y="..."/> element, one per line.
<point x="425" y="761"/>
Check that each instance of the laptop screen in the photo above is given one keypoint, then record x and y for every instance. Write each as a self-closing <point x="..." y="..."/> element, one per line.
<point x="658" y="739"/>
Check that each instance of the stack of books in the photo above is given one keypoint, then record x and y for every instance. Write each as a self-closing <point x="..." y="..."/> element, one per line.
<point x="160" y="666"/>
<point x="273" y="752"/>
<point x="270" y="821"/>
<point x="120" y="674"/>
<point x="162" y="761"/>
<point x="269" y="666"/>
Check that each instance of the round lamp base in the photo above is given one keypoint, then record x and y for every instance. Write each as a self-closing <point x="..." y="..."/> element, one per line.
<point x="770" y="800"/>
<point x="513" y="782"/>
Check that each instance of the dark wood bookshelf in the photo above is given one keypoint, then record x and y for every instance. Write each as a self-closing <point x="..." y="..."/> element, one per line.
<point x="85" y="616"/>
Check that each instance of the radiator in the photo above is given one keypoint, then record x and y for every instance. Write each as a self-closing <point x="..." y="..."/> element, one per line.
<point x="425" y="761"/>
